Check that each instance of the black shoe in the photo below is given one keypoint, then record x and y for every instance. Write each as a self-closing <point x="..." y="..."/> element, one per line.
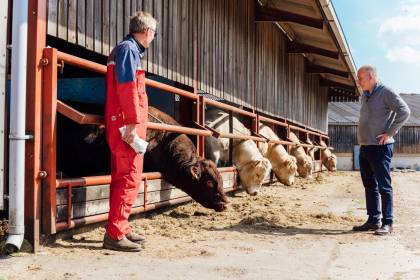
<point x="366" y="227"/>
<point x="384" y="230"/>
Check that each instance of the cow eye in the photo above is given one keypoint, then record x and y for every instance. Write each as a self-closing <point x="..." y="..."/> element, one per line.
<point x="209" y="184"/>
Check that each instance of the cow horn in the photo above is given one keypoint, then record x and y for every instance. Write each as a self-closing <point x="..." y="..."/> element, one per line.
<point x="195" y="173"/>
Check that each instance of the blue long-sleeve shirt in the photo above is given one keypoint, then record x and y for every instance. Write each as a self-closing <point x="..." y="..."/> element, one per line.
<point x="382" y="111"/>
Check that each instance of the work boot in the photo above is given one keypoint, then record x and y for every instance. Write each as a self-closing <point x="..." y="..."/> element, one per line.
<point x="366" y="227"/>
<point x="135" y="237"/>
<point x="384" y="230"/>
<point x="123" y="245"/>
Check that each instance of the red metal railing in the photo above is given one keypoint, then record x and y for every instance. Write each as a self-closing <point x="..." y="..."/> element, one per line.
<point x="51" y="105"/>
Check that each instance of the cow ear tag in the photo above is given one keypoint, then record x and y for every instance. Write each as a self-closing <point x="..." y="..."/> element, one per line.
<point x="195" y="173"/>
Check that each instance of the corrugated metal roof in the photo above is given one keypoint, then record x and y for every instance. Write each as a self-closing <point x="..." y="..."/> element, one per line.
<point x="348" y="112"/>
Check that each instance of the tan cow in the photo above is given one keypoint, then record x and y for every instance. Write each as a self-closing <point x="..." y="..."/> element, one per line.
<point x="283" y="164"/>
<point x="252" y="167"/>
<point x="304" y="162"/>
<point x="311" y="151"/>
<point x="329" y="160"/>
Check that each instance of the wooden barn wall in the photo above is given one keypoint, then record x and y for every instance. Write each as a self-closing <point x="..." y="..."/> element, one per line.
<point x="344" y="137"/>
<point x="234" y="55"/>
<point x="282" y="85"/>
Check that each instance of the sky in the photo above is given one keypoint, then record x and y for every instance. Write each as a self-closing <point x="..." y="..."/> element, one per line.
<point x="386" y="34"/>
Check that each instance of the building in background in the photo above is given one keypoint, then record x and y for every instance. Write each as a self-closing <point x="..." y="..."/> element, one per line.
<point x="343" y="119"/>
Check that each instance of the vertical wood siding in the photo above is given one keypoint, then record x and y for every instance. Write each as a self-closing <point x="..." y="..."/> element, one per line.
<point x="234" y="56"/>
<point x="344" y="137"/>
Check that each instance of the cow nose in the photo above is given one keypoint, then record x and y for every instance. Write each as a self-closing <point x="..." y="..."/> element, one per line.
<point x="253" y="193"/>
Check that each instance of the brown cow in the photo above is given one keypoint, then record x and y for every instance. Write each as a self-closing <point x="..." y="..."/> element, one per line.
<point x="304" y="162"/>
<point x="82" y="151"/>
<point x="175" y="156"/>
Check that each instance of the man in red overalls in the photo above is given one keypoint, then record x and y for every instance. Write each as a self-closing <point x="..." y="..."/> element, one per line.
<point x="126" y="105"/>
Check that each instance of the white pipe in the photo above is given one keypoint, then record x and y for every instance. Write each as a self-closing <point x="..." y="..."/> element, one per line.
<point x="17" y="126"/>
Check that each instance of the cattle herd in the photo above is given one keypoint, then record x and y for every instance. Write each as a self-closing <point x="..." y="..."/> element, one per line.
<point x="83" y="149"/>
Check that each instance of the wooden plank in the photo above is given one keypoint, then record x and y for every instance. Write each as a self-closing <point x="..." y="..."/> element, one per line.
<point x="93" y="207"/>
<point x="82" y="194"/>
<point x="226" y="17"/>
<point x="164" y="39"/>
<point x="120" y="21"/>
<point x="105" y="28"/>
<point x="158" y="42"/>
<point x="97" y="22"/>
<point x="148" y="7"/>
<point x="81" y="22"/>
<point x="127" y="16"/>
<point x="133" y="7"/>
<point x="171" y="41"/>
<point x="96" y="207"/>
<point x="112" y="24"/>
<point x="91" y="15"/>
<point x="71" y="21"/>
<point x="62" y="19"/>
<point x="52" y="17"/>
<point x="189" y="67"/>
<point x="184" y="42"/>
<point x="176" y="45"/>
<point x="140" y="5"/>
<point x="274" y="15"/>
<point x="297" y="47"/>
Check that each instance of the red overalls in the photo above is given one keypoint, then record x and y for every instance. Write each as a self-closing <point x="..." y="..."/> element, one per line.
<point x="126" y="103"/>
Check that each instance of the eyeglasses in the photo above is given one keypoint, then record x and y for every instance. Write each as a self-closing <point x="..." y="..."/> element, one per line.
<point x="154" y="31"/>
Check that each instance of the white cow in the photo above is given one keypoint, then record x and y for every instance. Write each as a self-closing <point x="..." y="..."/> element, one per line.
<point x="252" y="167"/>
<point x="304" y="162"/>
<point x="283" y="164"/>
<point x="328" y="159"/>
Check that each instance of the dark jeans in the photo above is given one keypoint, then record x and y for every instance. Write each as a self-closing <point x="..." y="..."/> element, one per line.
<point x="375" y="164"/>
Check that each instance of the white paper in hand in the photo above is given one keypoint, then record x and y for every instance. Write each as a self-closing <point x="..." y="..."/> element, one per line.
<point x="139" y="145"/>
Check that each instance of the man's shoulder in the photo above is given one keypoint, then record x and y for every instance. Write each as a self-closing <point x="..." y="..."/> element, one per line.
<point x="386" y="89"/>
<point x="126" y="46"/>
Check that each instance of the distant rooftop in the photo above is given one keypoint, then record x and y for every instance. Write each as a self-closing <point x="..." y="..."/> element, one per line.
<point x="348" y="112"/>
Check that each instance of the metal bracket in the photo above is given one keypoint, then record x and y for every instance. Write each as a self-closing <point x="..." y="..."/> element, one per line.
<point x="206" y="127"/>
<point x="44" y="61"/>
<point x="19" y="137"/>
<point x="215" y="132"/>
<point x="260" y="136"/>
<point x="42" y="174"/>
<point x="61" y="66"/>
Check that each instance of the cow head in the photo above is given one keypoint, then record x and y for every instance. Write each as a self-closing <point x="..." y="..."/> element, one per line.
<point x="331" y="163"/>
<point x="285" y="172"/>
<point x="205" y="185"/>
<point x="253" y="174"/>
<point x="305" y="167"/>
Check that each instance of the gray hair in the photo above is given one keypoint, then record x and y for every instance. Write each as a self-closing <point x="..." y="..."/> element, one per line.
<point x="142" y="21"/>
<point x="370" y="69"/>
